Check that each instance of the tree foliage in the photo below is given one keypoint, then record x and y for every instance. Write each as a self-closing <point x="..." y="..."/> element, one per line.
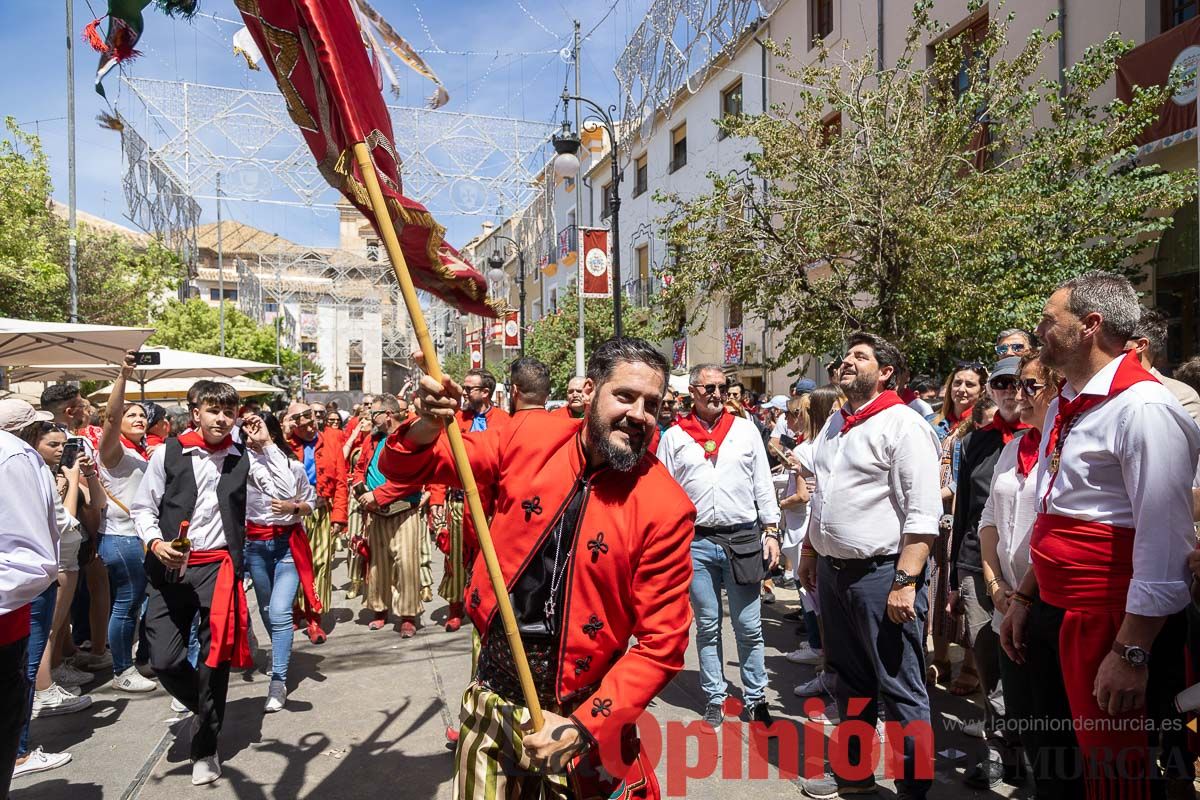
<point x="551" y="339"/>
<point x="946" y="206"/>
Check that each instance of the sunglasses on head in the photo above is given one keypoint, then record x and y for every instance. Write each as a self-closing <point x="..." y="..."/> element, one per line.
<point x="1030" y="386"/>
<point x="48" y="427"/>
<point x="1011" y="349"/>
<point x="711" y="388"/>
<point x="1003" y="383"/>
<point x="975" y="365"/>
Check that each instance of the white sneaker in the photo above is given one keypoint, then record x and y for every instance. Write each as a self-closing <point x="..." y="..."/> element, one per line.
<point x="206" y="770"/>
<point x="822" y="683"/>
<point x="41" y="761"/>
<point x="92" y="662"/>
<point x="66" y="675"/>
<point x="57" y="700"/>
<point x="276" y="696"/>
<point x="132" y="681"/>
<point x="178" y="707"/>
<point x="806" y="654"/>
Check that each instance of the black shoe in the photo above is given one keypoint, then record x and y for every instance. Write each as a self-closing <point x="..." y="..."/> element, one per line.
<point x="783" y="583"/>
<point x="714" y="715"/>
<point x="760" y="712"/>
<point x="987" y="774"/>
<point x="793" y="616"/>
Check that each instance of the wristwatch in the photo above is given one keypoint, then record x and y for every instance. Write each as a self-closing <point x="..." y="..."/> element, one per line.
<point x="1133" y="655"/>
<point x="903" y="579"/>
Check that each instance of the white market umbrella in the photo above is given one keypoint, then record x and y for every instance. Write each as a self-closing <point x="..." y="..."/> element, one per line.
<point x="177" y="388"/>
<point x="24" y="342"/>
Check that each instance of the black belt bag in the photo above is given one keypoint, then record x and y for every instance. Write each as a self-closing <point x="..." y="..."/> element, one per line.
<point x="745" y="553"/>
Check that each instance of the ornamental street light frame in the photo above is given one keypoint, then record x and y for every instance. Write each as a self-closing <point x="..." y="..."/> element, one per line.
<point x="496" y="262"/>
<point x="566" y="144"/>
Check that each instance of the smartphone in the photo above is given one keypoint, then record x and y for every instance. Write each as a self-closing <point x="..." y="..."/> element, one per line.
<point x="147" y="358"/>
<point x="360" y="489"/>
<point x="70" y="453"/>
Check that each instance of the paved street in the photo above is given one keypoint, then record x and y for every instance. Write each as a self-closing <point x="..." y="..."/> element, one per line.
<point x="366" y="718"/>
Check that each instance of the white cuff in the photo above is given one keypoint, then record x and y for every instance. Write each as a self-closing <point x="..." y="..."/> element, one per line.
<point x="1157" y="599"/>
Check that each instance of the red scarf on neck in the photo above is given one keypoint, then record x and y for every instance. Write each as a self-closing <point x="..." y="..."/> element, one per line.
<point x="709" y="440"/>
<point x="194" y="438"/>
<point x="1007" y="429"/>
<point x="140" y="449"/>
<point x="884" y="401"/>
<point x="1027" y="452"/>
<point x="1129" y="372"/>
<point x="953" y="419"/>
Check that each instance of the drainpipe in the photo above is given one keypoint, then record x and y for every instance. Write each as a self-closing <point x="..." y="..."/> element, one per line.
<point x="879" y="37"/>
<point x="1062" y="46"/>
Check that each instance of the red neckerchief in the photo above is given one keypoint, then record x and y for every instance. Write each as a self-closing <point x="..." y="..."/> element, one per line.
<point x="140" y="449"/>
<point x="1007" y="429"/>
<point x="908" y="394"/>
<point x="154" y="441"/>
<point x="884" y="401"/>
<point x="709" y="440"/>
<point x="1129" y="372"/>
<point x="953" y="419"/>
<point x="1027" y="452"/>
<point x="194" y="438"/>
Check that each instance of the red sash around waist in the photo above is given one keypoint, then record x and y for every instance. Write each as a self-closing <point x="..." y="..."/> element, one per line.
<point x="1081" y="565"/>
<point x="14" y="626"/>
<point x="301" y="554"/>
<point x="228" y="617"/>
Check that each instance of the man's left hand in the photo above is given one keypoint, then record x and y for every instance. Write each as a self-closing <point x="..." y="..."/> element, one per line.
<point x="1120" y="687"/>
<point x="771" y="552"/>
<point x="551" y="749"/>
<point x="338" y="528"/>
<point x="368" y="502"/>
<point x="901" y="605"/>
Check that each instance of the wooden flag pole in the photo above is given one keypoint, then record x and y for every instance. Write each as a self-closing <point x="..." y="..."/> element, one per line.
<point x="457" y="446"/>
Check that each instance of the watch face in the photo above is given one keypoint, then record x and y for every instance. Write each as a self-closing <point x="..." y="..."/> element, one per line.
<point x="1135" y="656"/>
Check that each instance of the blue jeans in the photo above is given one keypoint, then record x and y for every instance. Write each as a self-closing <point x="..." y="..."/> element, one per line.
<point x="41" y="615"/>
<point x="712" y="572"/>
<point x="275" y="583"/>
<point x="125" y="558"/>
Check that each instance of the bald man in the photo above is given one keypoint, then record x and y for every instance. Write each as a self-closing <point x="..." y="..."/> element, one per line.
<point x="577" y="400"/>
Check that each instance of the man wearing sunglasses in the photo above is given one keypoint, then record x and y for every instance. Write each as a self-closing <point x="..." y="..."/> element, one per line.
<point x="720" y="461"/>
<point x="326" y="470"/>
<point x="1013" y="342"/>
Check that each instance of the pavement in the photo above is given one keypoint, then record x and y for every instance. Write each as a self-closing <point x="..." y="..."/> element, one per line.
<point x="366" y="717"/>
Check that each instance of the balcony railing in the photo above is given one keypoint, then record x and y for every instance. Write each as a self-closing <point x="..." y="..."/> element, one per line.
<point x="642" y="292"/>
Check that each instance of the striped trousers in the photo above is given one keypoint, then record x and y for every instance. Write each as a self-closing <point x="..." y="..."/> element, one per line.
<point x="454" y="581"/>
<point x="354" y="527"/>
<point x="393" y="576"/>
<point x="320" y="537"/>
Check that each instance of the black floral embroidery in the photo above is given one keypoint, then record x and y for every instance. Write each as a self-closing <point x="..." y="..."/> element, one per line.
<point x="597" y="546"/>
<point x="475" y="600"/>
<point x="601" y="708"/>
<point x="531" y="507"/>
<point x="593" y="626"/>
<point x="582" y="665"/>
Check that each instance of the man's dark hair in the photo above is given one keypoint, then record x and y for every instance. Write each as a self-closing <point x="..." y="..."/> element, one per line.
<point x="194" y="391"/>
<point x="923" y="383"/>
<point x="738" y="384"/>
<point x="531" y="378"/>
<point x="1189" y="372"/>
<point x="1152" y="326"/>
<point x="1109" y="295"/>
<point x="486" y="378"/>
<point x="886" y="353"/>
<point x="214" y="393"/>
<point x="56" y="396"/>
<point x="625" y="349"/>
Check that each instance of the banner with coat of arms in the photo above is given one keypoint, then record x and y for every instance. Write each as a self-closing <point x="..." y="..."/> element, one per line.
<point x="733" y="345"/>
<point x="679" y="353"/>
<point x="512" y="331"/>
<point x="596" y="267"/>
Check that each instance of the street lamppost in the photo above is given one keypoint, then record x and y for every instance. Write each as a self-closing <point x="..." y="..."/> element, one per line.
<point x="566" y="164"/>
<point x="497" y="281"/>
<point x="496" y="263"/>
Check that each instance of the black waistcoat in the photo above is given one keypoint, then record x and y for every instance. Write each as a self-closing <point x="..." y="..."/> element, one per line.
<point x="179" y="496"/>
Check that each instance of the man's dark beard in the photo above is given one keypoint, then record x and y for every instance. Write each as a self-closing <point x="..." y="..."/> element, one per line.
<point x="618" y="458"/>
<point x="862" y="387"/>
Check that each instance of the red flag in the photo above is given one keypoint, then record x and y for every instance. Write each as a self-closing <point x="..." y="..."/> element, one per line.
<point x="596" y="268"/>
<point x="317" y="54"/>
<point x="512" y="331"/>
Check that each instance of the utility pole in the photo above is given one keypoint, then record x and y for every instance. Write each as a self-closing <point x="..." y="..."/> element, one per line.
<point x="72" y="244"/>
<point x="220" y="267"/>
<point x="580" y="369"/>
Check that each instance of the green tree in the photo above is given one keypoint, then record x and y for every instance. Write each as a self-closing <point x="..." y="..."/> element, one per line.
<point x="195" y="325"/>
<point x="551" y="339"/>
<point x="118" y="283"/>
<point x="946" y="205"/>
<point x="456" y="365"/>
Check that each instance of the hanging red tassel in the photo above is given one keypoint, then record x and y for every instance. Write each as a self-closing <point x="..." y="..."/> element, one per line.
<point x="91" y="36"/>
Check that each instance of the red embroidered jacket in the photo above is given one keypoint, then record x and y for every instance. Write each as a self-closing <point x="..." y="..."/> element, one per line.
<point x="631" y="566"/>
<point x="391" y="491"/>
<point x="331" y="474"/>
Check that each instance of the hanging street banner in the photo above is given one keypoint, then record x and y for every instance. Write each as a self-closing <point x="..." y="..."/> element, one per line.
<point x="476" y="354"/>
<point x="596" y="265"/>
<point x="679" y="353"/>
<point x="512" y="331"/>
<point x="733" y="345"/>
<point x="1151" y="64"/>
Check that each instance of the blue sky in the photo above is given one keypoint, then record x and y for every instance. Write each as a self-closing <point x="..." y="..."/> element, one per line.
<point x="509" y="74"/>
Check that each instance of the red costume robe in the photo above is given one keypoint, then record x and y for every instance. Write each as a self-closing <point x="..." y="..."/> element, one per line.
<point x="630" y="573"/>
<point x="331" y="473"/>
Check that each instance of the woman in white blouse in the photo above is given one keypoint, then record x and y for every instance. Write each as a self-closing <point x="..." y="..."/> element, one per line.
<point x="1006" y="526"/>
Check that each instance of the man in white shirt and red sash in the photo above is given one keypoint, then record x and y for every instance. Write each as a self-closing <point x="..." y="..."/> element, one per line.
<point x="720" y="461"/>
<point x="1099" y="611"/>
<point x="872" y="521"/>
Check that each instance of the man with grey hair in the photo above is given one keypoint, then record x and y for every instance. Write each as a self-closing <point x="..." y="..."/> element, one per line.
<point x="1013" y="342"/>
<point x="1109" y="547"/>
<point x="719" y="460"/>
<point x="1150" y="341"/>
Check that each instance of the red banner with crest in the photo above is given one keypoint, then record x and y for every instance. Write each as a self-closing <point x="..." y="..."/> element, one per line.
<point x="596" y="265"/>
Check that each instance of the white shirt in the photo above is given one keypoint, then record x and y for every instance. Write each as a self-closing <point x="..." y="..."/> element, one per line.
<point x="795" y="519"/>
<point x="1011" y="509"/>
<point x="275" y="476"/>
<point x="921" y="407"/>
<point x="875" y="484"/>
<point x="780" y="428"/>
<point x="1129" y="463"/>
<point x="122" y="482"/>
<point x="206" y="530"/>
<point x="734" y="488"/>
<point x="28" y="525"/>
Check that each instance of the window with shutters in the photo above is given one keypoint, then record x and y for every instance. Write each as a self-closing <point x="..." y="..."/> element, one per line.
<point x="640" y="175"/>
<point x="678" y="148"/>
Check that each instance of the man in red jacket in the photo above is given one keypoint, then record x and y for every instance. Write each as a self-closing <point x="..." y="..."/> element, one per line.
<point x="393" y="527"/>
<point x="326" y="468"/>
<point x="592" y="535"/>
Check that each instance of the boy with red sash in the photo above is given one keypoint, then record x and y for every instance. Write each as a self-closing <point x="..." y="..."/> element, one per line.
<point x="1098" y="616"/>
<point x="592" y="537"/>
<point x="199" y="478"/>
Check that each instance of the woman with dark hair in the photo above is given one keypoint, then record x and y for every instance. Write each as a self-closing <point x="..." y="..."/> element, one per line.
<point x="277" y="553"/>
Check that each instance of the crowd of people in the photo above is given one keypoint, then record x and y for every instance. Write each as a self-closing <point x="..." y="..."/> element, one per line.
<point x="1034" y="516"/>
